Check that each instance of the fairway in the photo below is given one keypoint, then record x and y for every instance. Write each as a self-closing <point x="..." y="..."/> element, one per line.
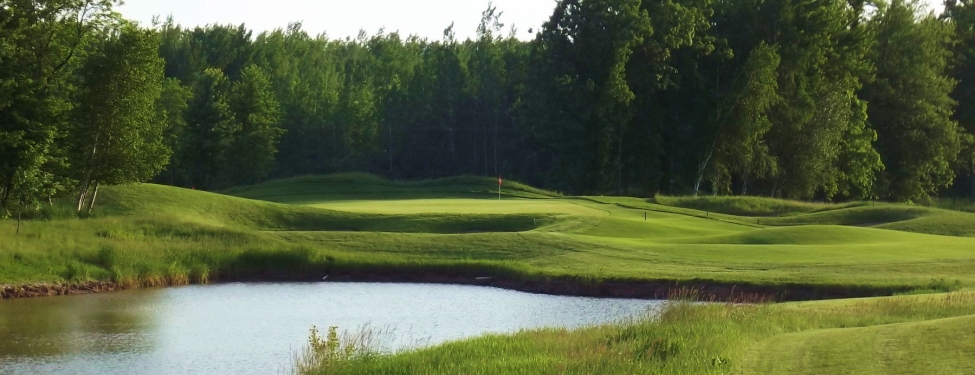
<point x="300" y="229"/>
<point x="164" y="233"/>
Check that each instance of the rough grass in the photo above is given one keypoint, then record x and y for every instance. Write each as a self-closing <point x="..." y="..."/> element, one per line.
<point x="153" y="235"/>
<point x="361" y="186"/>
<point x="931" y="334"/>
<point x="306" y="227"/>
<point x="748" y="206"/>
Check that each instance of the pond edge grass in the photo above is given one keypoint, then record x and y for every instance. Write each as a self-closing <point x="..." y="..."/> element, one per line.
<point x="488" y="274"/>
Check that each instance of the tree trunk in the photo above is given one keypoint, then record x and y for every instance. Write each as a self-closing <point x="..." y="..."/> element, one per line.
<point x="973" y="186"/>
<point x="83" y="194"/>
<point x="4" y="193"/>
<point x="20" y="210"/>
<point x="86" y="182"/>
<point x="94" y="194"/>
<point x="703" y="166"/>
<point x="697" y="182"/>
<point x="744" y="185"/>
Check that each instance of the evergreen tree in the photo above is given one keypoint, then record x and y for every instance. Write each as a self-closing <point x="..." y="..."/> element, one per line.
<point x="824" y="60"/>
<point x="254" y="139"/>
<point x="210" y="125"/>
<point x="578" y="99"/>
<point x="909" y="102"/>
<point x="171" y="109"/>
<point x="961" y="13"/>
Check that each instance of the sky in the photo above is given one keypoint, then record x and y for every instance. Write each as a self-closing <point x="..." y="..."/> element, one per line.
<point x="344" y="18"/>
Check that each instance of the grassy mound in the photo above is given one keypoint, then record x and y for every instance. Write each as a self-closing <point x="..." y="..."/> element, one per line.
<point x="156" y="235"/>
<point x="361" y="186"/>
<point x="930" y="334"/>
<point x="896" y="217"/>
<point x="305" y="227"/>
<point x="748" y="206"/>
<point x="213" y="209"/>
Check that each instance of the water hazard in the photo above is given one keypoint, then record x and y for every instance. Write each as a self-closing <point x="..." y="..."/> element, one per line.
<point x="257" y="328"/>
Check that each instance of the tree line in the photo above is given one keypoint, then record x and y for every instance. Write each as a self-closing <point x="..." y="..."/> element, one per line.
<point x="802" y="99"/>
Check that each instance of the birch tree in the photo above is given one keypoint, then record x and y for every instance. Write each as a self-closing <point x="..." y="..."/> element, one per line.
<point x="117" y="139"/>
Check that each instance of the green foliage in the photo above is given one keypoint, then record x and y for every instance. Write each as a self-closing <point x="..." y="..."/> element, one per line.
<point x="39" y="44"/>
<point x="254" y="141"/>
<point x="579" y="98"/>
<point x="333" y="351"/>
<point x="824" y="58"/>
<point x="961" y="14"/>
<point x="116" y="135"/>
<point x="171" y="109"/>
<point x="671" y="97"/>
<point x="210" y="126"/>
<point x="909" y="102"/>
<point x="739" y="146"/>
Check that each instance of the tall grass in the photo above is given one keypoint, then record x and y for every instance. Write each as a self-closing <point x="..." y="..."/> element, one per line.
<point x="334" y="350"/>
<point x="685" y="338"/>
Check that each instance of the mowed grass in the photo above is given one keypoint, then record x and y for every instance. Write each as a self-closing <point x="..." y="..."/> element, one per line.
<point x="146" y="235"/>
<point x="929" y="334"/>
<point x="150" y="234"/>
<point x="462" y="206"/>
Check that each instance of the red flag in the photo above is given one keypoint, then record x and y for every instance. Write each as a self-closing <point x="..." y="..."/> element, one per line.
<point x="500" y="181"/>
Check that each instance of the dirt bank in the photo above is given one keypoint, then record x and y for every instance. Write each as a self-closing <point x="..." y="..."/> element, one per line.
<point x="49" y="290"/>
<point x="657" y="289"/>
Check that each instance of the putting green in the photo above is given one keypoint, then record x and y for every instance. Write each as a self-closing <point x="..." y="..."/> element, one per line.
<point x="462" y="206"/>
<point x="159" y="235"/>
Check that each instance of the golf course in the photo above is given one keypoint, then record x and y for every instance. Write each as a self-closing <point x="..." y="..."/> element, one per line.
<point x="914" y="263"/>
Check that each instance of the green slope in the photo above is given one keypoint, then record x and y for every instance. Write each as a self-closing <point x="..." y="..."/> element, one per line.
<point x="331" y="221"/>
<point x="930" y="334"/>
<point x="942" y="346"/>
<point x="155" y="235"/>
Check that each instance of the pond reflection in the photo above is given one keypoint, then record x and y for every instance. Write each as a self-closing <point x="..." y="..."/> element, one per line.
<point x="71" y="325"/>
<point x="257" y="328"/>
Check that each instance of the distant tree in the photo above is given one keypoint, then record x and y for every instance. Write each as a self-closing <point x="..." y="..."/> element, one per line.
<point x="909" y="102"/>
<point x="116" y="135"/>
<point x="39" y="44"/>
<point x="577" y="97"/>
<point x="307" y="80"/>
<point x="254" y="140"/>
<point x="210" y="125"/>
<point x="396" y="62"/>
<point x="739" y="144"/>
<point x="486" y="88"/>
<point x="824" y="61"/>
<point x="961" y="14"/>
<point x="171" y="108"/>
<point x="669" y="138"/>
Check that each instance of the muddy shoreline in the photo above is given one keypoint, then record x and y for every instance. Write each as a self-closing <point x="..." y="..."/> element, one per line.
<point x="700" y="290"/>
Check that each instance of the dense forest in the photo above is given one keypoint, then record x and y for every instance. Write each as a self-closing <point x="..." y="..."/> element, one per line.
<point x="802" y="99"/>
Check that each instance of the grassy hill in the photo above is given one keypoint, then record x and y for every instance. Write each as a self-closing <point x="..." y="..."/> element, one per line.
<point x="931" y="334"/>
<point x="305" y="227"/>
<point x="153" y="234"/>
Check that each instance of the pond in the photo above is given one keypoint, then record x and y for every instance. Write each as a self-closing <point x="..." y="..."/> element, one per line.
<point x="256" y="328"/>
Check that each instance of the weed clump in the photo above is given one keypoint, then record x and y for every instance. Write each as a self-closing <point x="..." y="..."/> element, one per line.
<point x="326" y="354"/>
